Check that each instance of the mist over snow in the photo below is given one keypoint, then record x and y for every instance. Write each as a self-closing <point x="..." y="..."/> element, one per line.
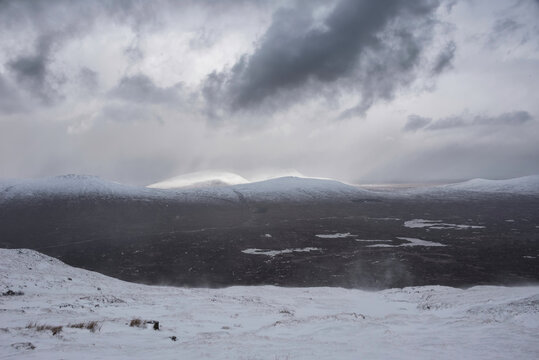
<point x="358" y="91"/>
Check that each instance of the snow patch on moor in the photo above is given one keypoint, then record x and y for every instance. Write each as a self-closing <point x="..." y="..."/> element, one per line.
<point x="410" y="242"/>
<point x="273" y="253"/>
<point x="438" y="224"/>
<point x="335" y="236"/>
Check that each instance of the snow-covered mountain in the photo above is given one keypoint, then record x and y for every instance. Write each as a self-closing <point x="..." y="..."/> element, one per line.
<point x="521" y="185"/>
<point x="279" y="189"/>
<point x="297" y="188"/>
<point x="50" y="310"/>
<point x="527" y="185"/>
<point x="77" y="185"/>
<point x="200" y="179"/>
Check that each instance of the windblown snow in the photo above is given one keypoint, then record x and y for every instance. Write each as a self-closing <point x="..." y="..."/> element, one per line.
<point x="200" y="179"/>
<point x="261" y="322"/>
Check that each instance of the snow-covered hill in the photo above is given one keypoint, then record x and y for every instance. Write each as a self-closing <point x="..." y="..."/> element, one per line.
<point x="297" y="188"/>
<point x="42" y="296"/>
<point x="279" y="189"/>
<point x="527" y="185"/>
<point x="200" y="179"/>
<point x="79" y="185"/>
<point x="521" y="185"/>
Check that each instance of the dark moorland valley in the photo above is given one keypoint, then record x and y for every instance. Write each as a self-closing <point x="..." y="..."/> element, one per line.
<point x="353" y="241"/>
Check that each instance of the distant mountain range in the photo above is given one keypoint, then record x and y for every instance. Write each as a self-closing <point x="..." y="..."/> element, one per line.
<point x="212" y="187"/>
<point x="279" y="189"/>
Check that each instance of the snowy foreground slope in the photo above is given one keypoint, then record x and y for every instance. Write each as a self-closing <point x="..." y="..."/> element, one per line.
<point x="254" y="322"/>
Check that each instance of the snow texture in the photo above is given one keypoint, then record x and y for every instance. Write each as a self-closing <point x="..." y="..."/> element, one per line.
<point x="262" y="322"/>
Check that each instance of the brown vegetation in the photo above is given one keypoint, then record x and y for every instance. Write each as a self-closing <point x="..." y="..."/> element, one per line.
<point x="54" y="329"/>
<point x="93" y="326"/>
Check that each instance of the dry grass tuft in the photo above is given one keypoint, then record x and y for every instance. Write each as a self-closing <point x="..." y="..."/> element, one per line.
<point x="54" y="329"/>
<point x="136" y="323"/>
<point x="93" y="326"/>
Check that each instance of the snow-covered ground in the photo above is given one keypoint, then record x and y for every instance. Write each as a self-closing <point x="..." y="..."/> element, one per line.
<point x="264" y="322"/>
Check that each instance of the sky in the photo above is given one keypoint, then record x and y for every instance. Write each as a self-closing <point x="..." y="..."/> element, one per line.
<point x="361" y="91"/>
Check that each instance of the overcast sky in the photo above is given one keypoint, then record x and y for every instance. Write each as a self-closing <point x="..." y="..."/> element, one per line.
<point x="362" y="91"/>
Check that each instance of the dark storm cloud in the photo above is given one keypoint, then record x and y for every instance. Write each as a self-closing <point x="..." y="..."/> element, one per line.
<point x="31" y="70"/>
<point x="514" y="118"/>
<point x="416" y="122"/>
<point x="368" y="45"/>
<point x="55" y="23"/>
<point x="141" y="89"/>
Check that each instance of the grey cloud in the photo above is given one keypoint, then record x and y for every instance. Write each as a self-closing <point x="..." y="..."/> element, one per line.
<point x="506" y="25"/>
<point x="514" y="118"/>
<point x="89" y="79"/>
<point x="128" y="114"/>
<point x="10" y="100"/>
<point x="362" y="45"/>
<point x="462" y="160"/>
<point x="30" y="71"/>
<point x="141" y="89"/>
<point x="504" y="28"/>
<point x="444" y="59"/>
<point x="416" y="122"/>
<point x="55" y="23"/>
